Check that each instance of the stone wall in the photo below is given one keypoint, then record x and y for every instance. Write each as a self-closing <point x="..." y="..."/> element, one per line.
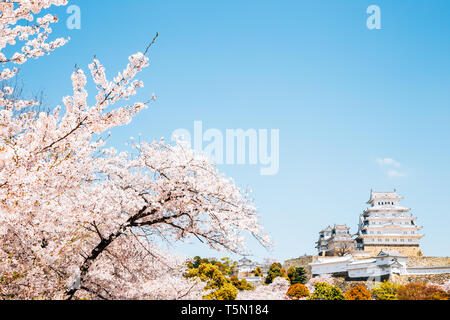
<point x="345" y="284"/>
<point x="427" y="278"/>
<point x="301" y="262"/>
<point x="428" y="261"/>
<point x="409" y="251"/>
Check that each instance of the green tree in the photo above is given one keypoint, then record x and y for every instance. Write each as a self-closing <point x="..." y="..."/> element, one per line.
<point x="296" y="275"/>
<point x="219" y="286"/>
<point x="385" y="291"/>
<point x="195" y="262"/>
<point x="325" y="291"/>
<point x="241" y="284"/>
<point x="274" y="272"/>
<point x="258" y="272"/>
<point x="225" y="265"/>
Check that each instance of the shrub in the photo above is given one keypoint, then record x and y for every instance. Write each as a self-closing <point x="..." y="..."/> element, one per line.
<point x="358" y="292"/>
<point x="297" y="291"/>
<point x="241" y="284"/>
<point x="226" y="292"/>
<point x="218" y="286"/>
<point x="411" y="291"/>
<point x="385" y="291"/>
<point x="420" y="291"/>
<point x="296" y="275"/>
<point x="325" y="291"/>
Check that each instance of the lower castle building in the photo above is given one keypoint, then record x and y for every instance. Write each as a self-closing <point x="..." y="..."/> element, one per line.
<point x="385" y="225"/>
<point x="383" y="266"/>
<point x="336" y="241"/>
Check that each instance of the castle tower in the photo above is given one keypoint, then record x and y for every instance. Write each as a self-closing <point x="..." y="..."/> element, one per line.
<point x="336" y="241"/>
<point x="386" y="225"/>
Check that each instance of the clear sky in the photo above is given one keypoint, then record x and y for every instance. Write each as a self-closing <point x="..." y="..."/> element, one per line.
<point x="341" y="95"/>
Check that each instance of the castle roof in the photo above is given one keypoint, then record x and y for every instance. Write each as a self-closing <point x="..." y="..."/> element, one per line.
<point x="341" y="226"/>
<point x="389" y="207"/>
<point x="383" y="195"/>
<point x="245" y="260"/>
<point x="390" y="253"/>
<point x="326" y="260"/>
<point x="362" y="261"/>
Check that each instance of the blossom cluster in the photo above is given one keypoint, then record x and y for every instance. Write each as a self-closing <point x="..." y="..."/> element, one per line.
<point x="17" y="28"/>
<point x="79" y="220"/>
<point x="274" y="291"/>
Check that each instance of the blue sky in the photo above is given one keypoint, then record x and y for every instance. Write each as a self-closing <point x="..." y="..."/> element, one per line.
<point x="341" y="95"/>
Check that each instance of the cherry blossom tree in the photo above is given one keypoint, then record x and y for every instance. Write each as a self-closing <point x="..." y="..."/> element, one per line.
<point x="324" y="278"/>
<point x="446" y="286"/>
<point x="79" y="220"/>
<point x="275" y="291"/>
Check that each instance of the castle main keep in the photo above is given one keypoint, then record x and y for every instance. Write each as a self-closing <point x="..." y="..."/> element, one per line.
<point x="383" y="226"/>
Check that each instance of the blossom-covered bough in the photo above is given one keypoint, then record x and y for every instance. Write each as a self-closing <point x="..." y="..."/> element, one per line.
<point x="34" y="36"/>
<point x="78" y="220"/>
<point x="274" y="291"/>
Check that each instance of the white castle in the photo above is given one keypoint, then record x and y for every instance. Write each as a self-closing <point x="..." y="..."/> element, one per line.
<point x="387" y="238"/>
<point x="385" y="225"/>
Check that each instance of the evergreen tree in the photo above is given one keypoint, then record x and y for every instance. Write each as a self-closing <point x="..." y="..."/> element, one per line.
<point x="296" y="275"/>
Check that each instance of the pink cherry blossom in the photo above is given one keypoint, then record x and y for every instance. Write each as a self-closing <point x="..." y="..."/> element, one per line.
<point x="274" y="291"/>
<point x="79" y="220"/>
